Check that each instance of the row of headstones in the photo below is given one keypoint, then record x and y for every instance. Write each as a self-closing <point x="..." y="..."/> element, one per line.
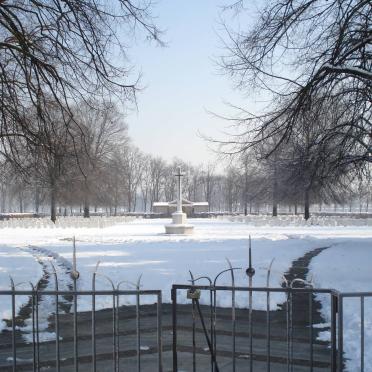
<point x="66" y="222"/>
<point x="299" y="221"/>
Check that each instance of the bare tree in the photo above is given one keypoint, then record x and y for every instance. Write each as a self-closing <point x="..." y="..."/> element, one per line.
<point x="307" y="56"/>
<point x="101" y="127"/>
<point x="208" y="182"/>
<point x="64" y="51"/>
<point x="157" y="172"/>
<point x="146" y="183"/>
<point x="133" y="171"/>
<point x="50" y="161"/>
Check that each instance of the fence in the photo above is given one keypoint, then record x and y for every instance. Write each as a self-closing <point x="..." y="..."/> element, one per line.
<point x="204" y="336"/>
<point x="89" y="340"/>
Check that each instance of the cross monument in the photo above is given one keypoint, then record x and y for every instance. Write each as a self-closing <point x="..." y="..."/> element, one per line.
<point x="179" y="174"/>
<point x="179" y="224"/>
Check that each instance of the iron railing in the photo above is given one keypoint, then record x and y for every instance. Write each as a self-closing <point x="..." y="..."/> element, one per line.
<point x="342" y="298"/>
<point x="205" y="336"/>
<point x="78" y="336"/>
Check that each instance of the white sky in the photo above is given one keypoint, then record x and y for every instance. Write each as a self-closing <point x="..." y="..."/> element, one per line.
<point x="182" y="82"/>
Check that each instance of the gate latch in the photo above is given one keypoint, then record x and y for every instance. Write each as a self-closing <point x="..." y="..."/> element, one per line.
<point x="193" y="294"/>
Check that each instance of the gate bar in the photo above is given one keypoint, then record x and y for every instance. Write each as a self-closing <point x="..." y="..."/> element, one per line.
<point x="174" y="328"/>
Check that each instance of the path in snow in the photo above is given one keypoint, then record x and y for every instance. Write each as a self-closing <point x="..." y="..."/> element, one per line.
<point x="300" y="270"/>
<point x="45" y="304"/>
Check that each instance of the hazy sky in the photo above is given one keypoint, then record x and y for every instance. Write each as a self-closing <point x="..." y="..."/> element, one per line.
<point x="182" y="83"/>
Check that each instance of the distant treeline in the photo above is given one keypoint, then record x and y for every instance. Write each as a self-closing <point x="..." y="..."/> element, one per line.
<point x="99" y="170"/>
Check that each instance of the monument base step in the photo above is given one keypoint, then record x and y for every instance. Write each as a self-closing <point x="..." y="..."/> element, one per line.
<point x="181" y="229"/>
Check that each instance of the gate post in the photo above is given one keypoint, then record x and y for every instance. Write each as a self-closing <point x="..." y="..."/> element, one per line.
<point x="334" y="310"/>
<point x="174" y="326"/>
<point x="340" y="334"/>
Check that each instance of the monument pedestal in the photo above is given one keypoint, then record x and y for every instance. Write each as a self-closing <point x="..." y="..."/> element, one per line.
<point x="179" y="225"/>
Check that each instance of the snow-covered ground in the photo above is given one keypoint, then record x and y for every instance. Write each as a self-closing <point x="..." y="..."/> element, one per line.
<point x="346" y="266"/>
<point x="128" y="249"/>
<point x="23" y="268"/>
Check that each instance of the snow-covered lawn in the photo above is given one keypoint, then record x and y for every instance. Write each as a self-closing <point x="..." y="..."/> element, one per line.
<point x="346" y="266"/>
<point x="23" y="268"/>
<point x="128" y="249"/>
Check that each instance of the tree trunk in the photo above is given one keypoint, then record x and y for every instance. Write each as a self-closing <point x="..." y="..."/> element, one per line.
<point x="3" y="198"/>
<point x="245" y="191"/>
<point x="295" y="209"/>
<point x="20" y="202"/>
<point x="144" y="203"/>
<point x="307" y="205"/>
<point x="53" y="209"/>
<point x="86" y="210"/>
<point x="86" y="200"/>
<point x="275" y="209"/>
<point x="275" y="191"/>
<point x="37" y="200"/>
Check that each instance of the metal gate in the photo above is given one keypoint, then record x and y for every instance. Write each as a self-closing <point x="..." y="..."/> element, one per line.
<point x="235" y="339"/>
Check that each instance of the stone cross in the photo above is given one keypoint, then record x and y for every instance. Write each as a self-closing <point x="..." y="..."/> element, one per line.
<point x="179" y="174"/>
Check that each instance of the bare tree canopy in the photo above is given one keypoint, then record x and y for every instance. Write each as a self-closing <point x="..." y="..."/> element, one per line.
<point x="307" y="55"/>
<point x="65" y="51"/>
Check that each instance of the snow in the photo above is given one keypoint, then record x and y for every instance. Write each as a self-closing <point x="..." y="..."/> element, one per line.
<point x="128" y="249"/>
<point x="167" y="261"/>
<point x="22" y="267"/>
<point x="346" y="267"/>
<point x="349" y="70"/>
